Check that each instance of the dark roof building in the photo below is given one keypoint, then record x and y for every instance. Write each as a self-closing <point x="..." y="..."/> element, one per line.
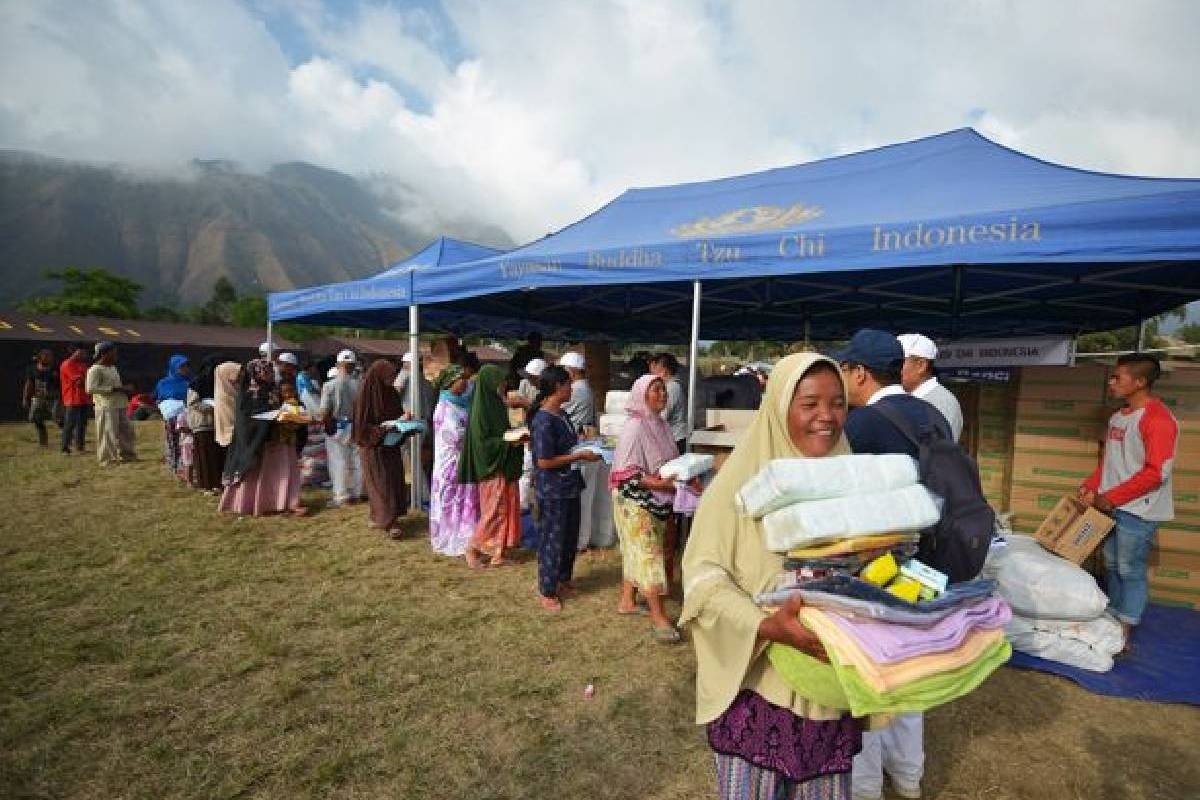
<point x="144" y="347"/>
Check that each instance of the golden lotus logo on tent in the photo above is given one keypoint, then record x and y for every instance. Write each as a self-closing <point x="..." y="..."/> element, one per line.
<point x="749" y="220"/>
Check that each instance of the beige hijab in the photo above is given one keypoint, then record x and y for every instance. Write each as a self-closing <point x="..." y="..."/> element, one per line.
<point x="225" y="392"/>
<point x="726" y="562"/>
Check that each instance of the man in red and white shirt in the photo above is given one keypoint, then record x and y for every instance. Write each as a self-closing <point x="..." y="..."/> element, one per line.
<point x="1133" y="482"/>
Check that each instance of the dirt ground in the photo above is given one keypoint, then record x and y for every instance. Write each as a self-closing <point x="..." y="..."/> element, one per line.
<point x="152" y="648"/>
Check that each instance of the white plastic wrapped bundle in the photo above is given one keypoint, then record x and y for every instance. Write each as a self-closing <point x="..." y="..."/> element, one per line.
<point x="614" y="402"/>
<point x="1040" y="585"/>
<point x="686" y="466"/>
<point x="791" y="480"/>
<point x="1088" y="645"/>
<point x="611" y="424"/>
<point x="803" y="524"/>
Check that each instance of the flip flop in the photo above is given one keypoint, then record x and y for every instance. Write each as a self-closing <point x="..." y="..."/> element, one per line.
<point x="669" y="635"/>
<point x="637" y="611"/>
<point x="551" y="604"/>
<point x="504" y="562"/>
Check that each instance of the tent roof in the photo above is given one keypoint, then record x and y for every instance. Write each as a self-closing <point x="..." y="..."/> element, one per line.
<point x="377" y="302"/>
<point x="951" y="235"/>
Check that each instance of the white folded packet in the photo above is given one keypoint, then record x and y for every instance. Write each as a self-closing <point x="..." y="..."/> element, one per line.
<point x="912" y="508"/>
<point x="686" y="466"/>
<point x="611" y="424"/>
<point x="515" y="434"/>
<point x="784" y="481"/>
<point x="615" y="401"/>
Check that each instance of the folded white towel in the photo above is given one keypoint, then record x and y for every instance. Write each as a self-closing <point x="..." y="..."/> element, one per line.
<point x="790" y="480"/>
<point x="819" y="521"/>
<point x="686" y="466"/>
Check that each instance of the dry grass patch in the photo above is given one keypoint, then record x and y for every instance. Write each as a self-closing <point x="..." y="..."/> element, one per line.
<point x="155" y="649"/>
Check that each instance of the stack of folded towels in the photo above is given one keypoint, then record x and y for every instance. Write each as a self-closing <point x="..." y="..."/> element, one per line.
<point x="847" y="523"/>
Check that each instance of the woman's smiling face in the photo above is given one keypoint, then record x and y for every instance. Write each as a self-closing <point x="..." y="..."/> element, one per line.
<point x="817" y="412"/>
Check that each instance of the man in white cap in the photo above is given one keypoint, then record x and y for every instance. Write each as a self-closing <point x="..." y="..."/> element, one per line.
<point x="337" y="406"/>
<point x="529" y="382"/>
<point x="581" y="408"/>
<point x="919" y="379"/>
<point x="264" y="350"/>
<point x="581" y="412"/>
<point x="524" y="396"/>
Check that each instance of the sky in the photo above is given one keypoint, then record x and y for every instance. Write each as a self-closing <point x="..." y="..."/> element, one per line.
<point x="529" y="115"/>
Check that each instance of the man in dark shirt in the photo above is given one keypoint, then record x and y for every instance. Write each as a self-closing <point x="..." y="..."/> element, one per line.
<point x="871" y="366"/>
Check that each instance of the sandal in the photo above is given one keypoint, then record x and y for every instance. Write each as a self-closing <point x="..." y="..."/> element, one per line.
<point x="552" y="604"/>
<point x="395" y="532"/>
<point x="669" y="635"/>
<point x="501" y="562"/>
<point x="636" y="611"/>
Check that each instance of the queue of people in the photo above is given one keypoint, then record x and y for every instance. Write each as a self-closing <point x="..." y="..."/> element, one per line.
<point x="768" y="739"/>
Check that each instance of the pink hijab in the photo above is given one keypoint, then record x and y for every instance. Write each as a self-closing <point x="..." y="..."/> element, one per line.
<point x="645" y="443"/>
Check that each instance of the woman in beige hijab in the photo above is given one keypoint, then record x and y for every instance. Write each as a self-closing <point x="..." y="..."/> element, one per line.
<point x="768" y="741"/>
<point x="225" y="391"/>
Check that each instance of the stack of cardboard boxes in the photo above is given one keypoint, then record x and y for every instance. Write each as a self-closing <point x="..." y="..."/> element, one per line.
<point x="1059" y="423"/>
<point x="993" y="440"/>
<point x="1175" y="561"/>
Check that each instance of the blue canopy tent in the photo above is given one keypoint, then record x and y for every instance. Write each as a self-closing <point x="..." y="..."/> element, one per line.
<point x="950" y="235"/>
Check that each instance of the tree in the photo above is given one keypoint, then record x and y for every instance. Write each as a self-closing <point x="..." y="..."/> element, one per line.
<point x="89" y="293"/>
<point x="1190" y="333"/>
<point x="249" y="312"/>
<point x="218" y="309"/>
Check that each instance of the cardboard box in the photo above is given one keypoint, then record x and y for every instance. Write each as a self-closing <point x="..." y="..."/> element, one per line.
<point x="1073" y="530"/>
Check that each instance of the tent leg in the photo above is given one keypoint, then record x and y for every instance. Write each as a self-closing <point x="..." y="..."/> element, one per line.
<point x="270" y="342"/>
<point x="693" y="366"/>
<point x="414" y="394"/>
<point x="1141" y="337"/>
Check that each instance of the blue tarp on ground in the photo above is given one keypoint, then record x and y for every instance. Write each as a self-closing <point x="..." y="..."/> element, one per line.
<point x="951" y="235"/>
<point x="1163" y="667"/>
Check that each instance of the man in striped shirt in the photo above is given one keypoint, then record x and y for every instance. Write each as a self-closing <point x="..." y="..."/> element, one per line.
<point x="1133" y="483"/>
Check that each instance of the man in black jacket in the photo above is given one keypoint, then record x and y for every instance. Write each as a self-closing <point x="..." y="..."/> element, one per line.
<point x="871" y="366"/>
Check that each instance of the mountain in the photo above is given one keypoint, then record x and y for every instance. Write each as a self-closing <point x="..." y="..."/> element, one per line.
<point x="296" y="225"/>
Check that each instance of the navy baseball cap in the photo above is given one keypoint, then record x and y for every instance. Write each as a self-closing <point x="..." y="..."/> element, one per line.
<point x="872" y="348"/>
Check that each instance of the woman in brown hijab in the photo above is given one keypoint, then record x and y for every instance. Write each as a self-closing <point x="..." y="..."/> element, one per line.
<point x="382" y="464"/>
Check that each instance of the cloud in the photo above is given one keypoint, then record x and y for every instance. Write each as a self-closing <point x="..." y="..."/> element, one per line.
<point x="529" y="115"/>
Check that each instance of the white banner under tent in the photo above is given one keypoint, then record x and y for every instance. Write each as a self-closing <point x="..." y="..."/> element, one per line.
<point x="1041" y="351"/>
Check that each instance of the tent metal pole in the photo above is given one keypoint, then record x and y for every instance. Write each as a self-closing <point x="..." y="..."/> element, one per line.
<point x="270" y="342"/>
<point x="693" y="365"/>
<point x="1141" y="338"/>
<point x="414" y="395"/>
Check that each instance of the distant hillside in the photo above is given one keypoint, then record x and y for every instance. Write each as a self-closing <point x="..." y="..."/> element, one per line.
<point x="297" y="225"/>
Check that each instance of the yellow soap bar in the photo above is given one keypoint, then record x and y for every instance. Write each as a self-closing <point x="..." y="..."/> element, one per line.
<point x="881" y="570"/>
<point x="905" y="589"/>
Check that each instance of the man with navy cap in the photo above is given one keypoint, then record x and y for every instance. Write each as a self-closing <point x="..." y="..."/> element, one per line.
<point x="871" y="365"/>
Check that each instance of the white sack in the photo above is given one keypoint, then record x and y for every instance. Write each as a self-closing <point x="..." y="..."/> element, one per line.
<point x="1087" y="645"/>
<point x="804" y="524"/>
<point x="686" y="466"/>
<point x="784" y="481"/>
<point x="1041" y="585"/>
<point x="614" y="402"/>
<point x="611" y="424"/>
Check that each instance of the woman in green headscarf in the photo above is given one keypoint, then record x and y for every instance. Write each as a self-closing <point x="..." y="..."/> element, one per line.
<point x="495" y="465"/>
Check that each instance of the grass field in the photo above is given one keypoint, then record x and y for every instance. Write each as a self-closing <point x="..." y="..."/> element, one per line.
<point x="153" y="649"/>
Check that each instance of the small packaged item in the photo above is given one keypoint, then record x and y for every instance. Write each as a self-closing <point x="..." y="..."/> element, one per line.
<point x="880" y="571"/>
<point x="925" y="575"/>
<point x="905" y="589"/>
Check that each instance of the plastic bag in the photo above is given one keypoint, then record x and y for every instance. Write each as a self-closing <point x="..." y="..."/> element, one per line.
<point x="1041" y="585"/>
